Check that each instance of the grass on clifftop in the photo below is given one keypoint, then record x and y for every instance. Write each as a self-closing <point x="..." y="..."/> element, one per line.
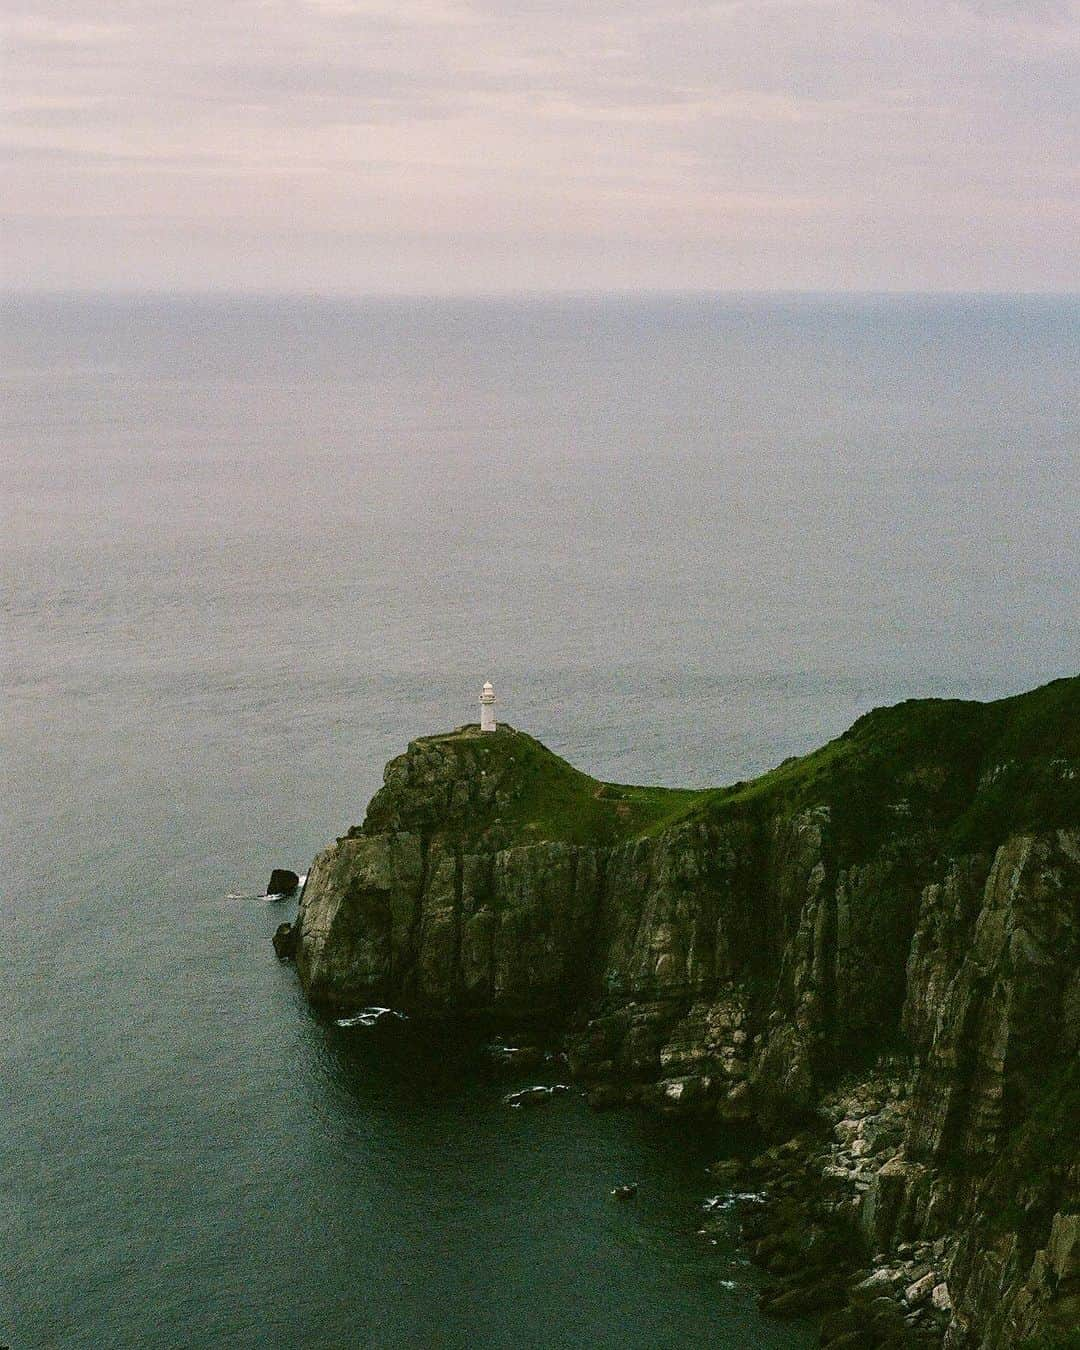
<point x="551" y="800"/>
<point x="971" y="772"/>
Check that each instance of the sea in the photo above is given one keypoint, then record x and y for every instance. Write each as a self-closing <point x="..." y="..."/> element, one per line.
<point x="251" y="546"/>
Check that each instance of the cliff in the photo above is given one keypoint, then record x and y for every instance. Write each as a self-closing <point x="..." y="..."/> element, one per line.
<point x="877" y="944"/>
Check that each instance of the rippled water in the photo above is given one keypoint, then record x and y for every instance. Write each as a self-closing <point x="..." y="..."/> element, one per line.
<point x="250" y="549"/>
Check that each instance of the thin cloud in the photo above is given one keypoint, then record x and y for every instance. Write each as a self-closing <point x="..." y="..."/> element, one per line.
<point x="814" y="141"/>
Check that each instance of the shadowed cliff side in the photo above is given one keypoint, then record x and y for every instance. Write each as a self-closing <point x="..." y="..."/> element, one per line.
<point x="908" y="895"/>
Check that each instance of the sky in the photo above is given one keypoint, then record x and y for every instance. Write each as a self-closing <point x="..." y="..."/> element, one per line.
<point x="463" y="146"/>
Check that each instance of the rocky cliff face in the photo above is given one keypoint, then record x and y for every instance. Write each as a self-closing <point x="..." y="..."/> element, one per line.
<point x="894" y="919"/>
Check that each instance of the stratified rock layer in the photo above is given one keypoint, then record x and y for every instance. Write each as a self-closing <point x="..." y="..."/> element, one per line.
<point x="902" y="906"/>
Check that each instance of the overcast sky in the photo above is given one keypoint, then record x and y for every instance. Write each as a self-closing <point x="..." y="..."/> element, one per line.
<point x="465" y="145"/>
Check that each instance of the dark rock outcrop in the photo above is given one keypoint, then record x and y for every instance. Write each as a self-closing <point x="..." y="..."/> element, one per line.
<point x="878" y="944"/>
<point x="282" y="882"/>
<point x="286" y="938"/>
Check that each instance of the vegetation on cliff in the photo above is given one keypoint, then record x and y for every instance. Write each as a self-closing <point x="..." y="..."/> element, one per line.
<point x="964" y="770"/>
<point x="507" y="784"/>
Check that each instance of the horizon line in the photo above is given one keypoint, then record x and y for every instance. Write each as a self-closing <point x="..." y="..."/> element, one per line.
<point x="526" y="293"/>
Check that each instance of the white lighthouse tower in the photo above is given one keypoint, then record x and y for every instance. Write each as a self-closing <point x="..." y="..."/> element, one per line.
<point x="487" y="707"/>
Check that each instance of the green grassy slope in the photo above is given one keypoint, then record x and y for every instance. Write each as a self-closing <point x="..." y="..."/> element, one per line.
<point x="551" y="800"/>
<point x="971" y="772"/>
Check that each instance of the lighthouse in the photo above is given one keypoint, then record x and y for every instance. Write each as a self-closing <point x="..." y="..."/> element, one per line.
<point x="487" y="707"/>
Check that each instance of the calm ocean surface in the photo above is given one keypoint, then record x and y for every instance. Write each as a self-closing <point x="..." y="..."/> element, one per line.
<point x="250" y="549"/>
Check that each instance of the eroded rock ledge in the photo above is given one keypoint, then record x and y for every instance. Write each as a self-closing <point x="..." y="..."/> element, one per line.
<point x="876" y="946"/>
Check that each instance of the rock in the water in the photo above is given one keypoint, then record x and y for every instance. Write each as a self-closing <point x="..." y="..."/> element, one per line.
<point x="516" y="1056"/>
<point x="535" y="1096"/>
<point x="627" y="1191"/>
<point x="727" y="1169"/>
<point x="282" y="882"/>
<point x="285" y="939"/>
<point x="372" y="1017"/>
<point x="605" y="1096"/>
